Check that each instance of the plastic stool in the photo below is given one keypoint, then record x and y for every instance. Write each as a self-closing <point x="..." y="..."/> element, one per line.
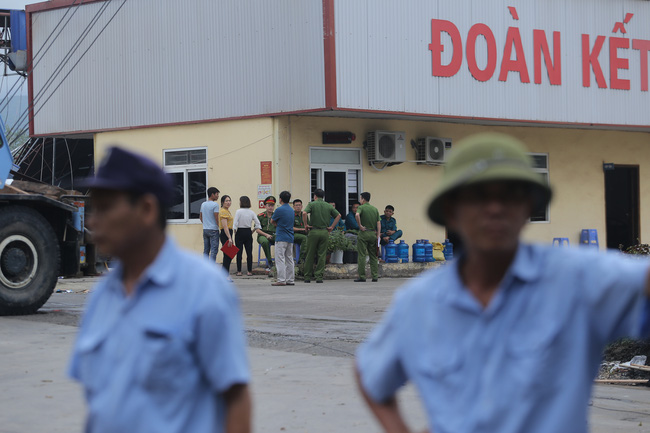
<point x="297" y="250"/>
<point x="383" y="253"/>
<point x="589" y="238"/>
<point x="259" y="255"/>
<point x="560" y="242"/>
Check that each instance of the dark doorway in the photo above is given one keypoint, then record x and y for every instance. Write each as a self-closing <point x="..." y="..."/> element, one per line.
<point x="335" y="190"/>
<point x="622" y="206"/>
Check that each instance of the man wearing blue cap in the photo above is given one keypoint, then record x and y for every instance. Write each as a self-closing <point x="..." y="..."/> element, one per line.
<point x="161" y="345"/>
<point x="507" y="338"/>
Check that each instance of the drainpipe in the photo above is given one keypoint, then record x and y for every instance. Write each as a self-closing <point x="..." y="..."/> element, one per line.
<point x="276" y="156"/>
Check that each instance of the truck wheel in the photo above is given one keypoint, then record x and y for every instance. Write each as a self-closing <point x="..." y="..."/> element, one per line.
<point x="29" y="260"/>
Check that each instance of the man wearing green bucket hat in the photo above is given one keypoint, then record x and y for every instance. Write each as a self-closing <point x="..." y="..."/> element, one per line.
<point x="509" y="337"/>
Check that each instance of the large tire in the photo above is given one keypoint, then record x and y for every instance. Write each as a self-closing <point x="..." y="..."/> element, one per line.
<point x="29" y="260"/>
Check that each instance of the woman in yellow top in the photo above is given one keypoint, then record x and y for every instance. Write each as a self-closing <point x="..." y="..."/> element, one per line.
<point x="225" y="225"/>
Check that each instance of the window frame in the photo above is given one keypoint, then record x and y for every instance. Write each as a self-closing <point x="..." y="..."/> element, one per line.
<point x="185" y="169"/>
<point x="547" y="172"/>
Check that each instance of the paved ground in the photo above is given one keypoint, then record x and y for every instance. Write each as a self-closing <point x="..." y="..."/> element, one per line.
<point x="302" y="339"/>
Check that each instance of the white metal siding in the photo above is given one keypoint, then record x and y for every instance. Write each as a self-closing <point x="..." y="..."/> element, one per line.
<point x="164" y="61"/>
<point x="384" y="62"/>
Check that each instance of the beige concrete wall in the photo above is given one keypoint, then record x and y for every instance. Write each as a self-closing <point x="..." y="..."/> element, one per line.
<point x="235" y="149"/>
<point x="575" y="163"/>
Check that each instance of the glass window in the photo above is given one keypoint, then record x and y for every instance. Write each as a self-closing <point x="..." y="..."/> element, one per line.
<point x="188" y="169"/>
<point x="335" y="156"/>
<point x="540" y="165"/>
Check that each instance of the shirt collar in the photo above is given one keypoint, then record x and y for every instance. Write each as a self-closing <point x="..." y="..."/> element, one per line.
<point x="526" y="267"/>
<point x="160" y="272"/>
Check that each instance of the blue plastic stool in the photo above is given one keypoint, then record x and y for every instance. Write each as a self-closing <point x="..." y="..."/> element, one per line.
<point x="383" y="253"/>
<point x="297" y="250"/>
<point x="560" y="242"/>
<point x="589" y="238"/>
<point x="259" y="255"/>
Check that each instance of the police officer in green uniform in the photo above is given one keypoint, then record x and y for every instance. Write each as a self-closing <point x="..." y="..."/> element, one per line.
<point x="319" y="229"/>
<point x="266" y="235"/>
<point x="369" y="231"/>
<point x="299" y="229"/>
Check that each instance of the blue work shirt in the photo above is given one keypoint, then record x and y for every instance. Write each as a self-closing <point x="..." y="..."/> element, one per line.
<point x="526" y="362"/>
<point x="160" y="359"/>
<point x="387" y="224"/>
<point x="351" y="222"/>
<point x="208" y="209"/>
<point x="284" y="217"/>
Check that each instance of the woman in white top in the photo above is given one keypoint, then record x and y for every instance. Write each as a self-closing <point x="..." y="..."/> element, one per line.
<point x="244" y="219"/>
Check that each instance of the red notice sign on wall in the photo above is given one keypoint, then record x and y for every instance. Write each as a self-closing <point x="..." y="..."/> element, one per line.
<point x="266" y="171"/>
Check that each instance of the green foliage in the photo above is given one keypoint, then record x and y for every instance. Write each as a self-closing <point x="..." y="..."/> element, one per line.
<point x="338" y="241"/>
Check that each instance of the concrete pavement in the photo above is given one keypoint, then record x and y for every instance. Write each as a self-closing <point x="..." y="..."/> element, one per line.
<point x="292" y="392"/>
<point x="306" y="386"/>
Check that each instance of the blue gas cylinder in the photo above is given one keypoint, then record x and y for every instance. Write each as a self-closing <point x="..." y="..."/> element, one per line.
<point x="448" y="249"/>
<point x="428" y="251"/>
<point x="391" y="252"/>
<point x="403" y="252"/>
<point x="418" y="251"/>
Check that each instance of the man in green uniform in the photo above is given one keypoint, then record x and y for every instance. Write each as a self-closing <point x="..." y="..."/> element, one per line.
<point x="369" y="231"/>
<point x="299" y="230"/>
<point x="319" y="229"/>
<point x="266" y="235"/>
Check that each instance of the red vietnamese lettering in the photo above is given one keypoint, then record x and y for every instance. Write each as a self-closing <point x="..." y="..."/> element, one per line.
<point x="616" y="63"/>
<point x="554" y="69"/>
<point x="513" y="38"/>
<point x="643" y="46"/>
<point x="474" y="32"/>
<point x="591" y="59"/>
<point x="436" y="48"/>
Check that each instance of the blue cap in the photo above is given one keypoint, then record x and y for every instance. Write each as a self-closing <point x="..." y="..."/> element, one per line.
<point x="122" y="170"/>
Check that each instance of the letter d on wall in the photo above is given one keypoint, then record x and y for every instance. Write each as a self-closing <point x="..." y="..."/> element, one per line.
<point x="436" y="48"/>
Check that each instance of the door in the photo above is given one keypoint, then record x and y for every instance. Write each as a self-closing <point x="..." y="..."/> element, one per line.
<point x="622" y="206"/>
<point x="336" y="190"/>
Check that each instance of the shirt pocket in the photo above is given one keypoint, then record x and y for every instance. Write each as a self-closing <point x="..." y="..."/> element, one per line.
<point x="530" y="353"/>
<point x="91" y="363"/>
<point x="165" y="359"/>
<point x="439" y="376"/>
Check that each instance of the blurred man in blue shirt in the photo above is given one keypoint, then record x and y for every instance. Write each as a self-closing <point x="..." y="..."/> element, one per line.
<point x="487" y="338"/>
<point x="161" y="346"/>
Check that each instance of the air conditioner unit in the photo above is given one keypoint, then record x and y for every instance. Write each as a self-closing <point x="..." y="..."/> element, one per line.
<point x="432" y="150"/>
<point x="386" y="146"/>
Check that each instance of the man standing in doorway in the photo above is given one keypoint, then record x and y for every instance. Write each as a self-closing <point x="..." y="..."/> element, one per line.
<point x="503" y="302"/>
<point x="161" y="346"/>
<point x="367" y="217"/>
<point x="208" y="216"/>
<point x="266" y="235"/>
<point x="299" y="230"/>
<point x="320" y="213"/>
<point x="283" y="219"/>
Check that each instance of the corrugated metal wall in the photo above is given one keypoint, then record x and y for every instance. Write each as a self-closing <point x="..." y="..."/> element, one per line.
<point x="164" y="61"/>
<point x="384" y="62"/>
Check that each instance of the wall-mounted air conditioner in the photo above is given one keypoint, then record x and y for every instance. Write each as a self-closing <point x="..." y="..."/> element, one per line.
<point x="432" y="150"/>
<point x="386" y="146"/>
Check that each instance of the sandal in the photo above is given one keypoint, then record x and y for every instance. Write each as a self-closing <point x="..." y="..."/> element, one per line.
<point x="250" y="274"/>
<point x="238" y="274"/>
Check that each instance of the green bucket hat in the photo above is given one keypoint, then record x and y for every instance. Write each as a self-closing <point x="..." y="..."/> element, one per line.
<point x="482" y="158"/>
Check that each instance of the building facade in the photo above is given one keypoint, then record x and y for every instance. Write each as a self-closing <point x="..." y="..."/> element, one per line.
<point x="256" y="97"/>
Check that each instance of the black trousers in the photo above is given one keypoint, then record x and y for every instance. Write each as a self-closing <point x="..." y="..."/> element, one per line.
<point x="244" y="238"/>
<point x="226" y="259"/>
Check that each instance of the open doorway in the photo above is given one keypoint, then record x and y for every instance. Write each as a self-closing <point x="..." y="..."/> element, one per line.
<point x="622" y="206"/>
<point x="338" y="172"/>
